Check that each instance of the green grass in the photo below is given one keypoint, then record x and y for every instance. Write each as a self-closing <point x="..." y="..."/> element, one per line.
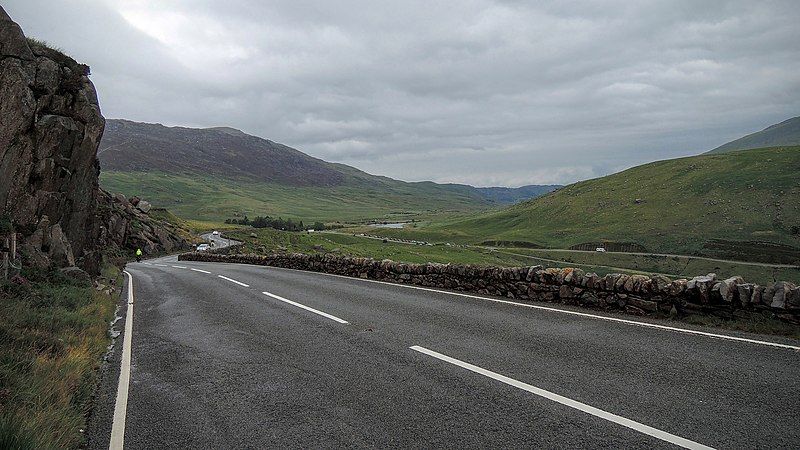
<point x="671" y="266"/>
<point x="269" y="240"/>
<point x="214" y="199"/>
<point x="682" y="203"/>
<point x="53" y="334"/>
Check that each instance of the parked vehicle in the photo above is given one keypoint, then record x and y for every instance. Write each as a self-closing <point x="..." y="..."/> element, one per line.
<point x="599" y="249"/>
<point x="203" y="247"/>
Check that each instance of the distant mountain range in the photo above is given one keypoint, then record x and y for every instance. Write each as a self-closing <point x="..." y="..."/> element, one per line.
<point x="784" y="133"/>
<point x="215" y="173"/>
<point x="504" y="195"/>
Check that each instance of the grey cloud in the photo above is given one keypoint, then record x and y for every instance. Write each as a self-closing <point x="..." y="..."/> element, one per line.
<point x="474" y="91"/>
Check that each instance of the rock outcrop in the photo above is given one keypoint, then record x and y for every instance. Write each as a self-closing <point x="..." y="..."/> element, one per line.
<point x="50" y="131"/>
<point x="48" y="143"/>
<point x="127" y="225"/>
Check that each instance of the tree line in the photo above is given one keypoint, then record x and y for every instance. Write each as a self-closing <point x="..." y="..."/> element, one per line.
<point x="276" y="223"/>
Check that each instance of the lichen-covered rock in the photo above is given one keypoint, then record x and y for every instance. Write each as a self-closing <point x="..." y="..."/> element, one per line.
<point x="727" y="289"/>
<point x="783" y="290"/>
<point x="49" y="134"/>
<point x="51" y="127"/>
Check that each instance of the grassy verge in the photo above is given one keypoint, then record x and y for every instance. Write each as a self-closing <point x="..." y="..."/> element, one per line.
<point x="53" y="335"/>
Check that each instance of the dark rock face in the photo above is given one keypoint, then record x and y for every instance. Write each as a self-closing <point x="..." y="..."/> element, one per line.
<point x="126" y="227"/>
<point x="50" y="131"/>
<point x="48" y="142"/>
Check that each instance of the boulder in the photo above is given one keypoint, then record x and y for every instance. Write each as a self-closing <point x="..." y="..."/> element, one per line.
<point x="661" y="284"/>
<point x="745" y="293"/>
<point x="701" y="286"/>
<point x="727" y="289"/>
<point x="76" y="273"/>
<point x="793" y="298"/>
<point x="646" y="305"/>
<point x="782" y="290"/>
<point x="143" y="206"/>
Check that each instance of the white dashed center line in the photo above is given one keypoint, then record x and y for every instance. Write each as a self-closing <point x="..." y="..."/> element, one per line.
<point x="234" y="281"/>
<point x="307" y="308"/>
<point x="656" y="433"/>
<point x="201" y="271"/>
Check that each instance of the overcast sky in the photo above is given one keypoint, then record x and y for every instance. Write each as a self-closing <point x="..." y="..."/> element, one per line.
<point x="483" y="92"/>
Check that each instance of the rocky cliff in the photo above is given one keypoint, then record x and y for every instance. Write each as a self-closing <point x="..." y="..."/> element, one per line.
<point x="50" y="131"/>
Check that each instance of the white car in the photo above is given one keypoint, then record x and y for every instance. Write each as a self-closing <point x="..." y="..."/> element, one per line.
<point x="203" y="247"/>
<point x="215" y="233"/>
<point x="599" y="249"/>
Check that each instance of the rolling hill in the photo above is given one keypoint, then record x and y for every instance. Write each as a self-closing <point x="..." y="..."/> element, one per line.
<point x="219" y="173"/>
<point x="784" y="133"/>
<point x="738" y="205"/>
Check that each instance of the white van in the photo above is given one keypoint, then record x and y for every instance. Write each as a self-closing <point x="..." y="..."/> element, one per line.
<point x="599" y="249"/>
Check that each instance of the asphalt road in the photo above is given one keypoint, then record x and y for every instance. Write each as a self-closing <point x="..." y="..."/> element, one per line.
<point x="220" y="241"/>
<point x="217" y="364"/>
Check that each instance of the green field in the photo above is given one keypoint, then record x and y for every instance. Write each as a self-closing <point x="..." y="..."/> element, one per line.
<point x="269" y="241"/>
<point x="215" y="199"/>
<point x="738" y="199"/>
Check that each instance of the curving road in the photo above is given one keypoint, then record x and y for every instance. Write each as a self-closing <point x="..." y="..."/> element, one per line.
<point x="236" y="356"/>
<point x="220" y="241"/>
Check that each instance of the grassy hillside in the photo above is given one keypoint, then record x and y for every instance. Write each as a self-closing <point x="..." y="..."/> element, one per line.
<point x="674" y="206"/>
<point x="785" y="133"/>
<point x="217" y="198"/>
<point x="209" y="174"/>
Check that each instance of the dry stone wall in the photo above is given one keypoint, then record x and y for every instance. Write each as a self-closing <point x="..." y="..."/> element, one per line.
<point x="636" y="294"/>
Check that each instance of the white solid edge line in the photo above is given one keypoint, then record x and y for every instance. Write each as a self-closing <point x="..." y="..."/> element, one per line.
<point x="200" y="270"/>
<point x="121" y="405"/>
<point x="307" y="308"/>
<point x="575" y="313"/>
<point x="180" y="267"/>
<point x="636" y="426"/>
<point x="233" y="281"/>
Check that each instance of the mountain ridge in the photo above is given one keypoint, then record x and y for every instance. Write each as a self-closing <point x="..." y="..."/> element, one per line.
<point x="783" y="133"/>
<point x="170" y="157"/>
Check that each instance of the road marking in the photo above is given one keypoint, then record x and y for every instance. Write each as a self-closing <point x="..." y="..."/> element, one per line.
<point x="307" y="308"/>
<point x="201" y="271"/>
<point x="574" y="313"/>
<point x="656" y="433"/>
<point x="121" y="406"/>
<point x="147" y="264"/>
<point x="234" y="281"/>
<point x="180" y="267"/>
<point x="160" y="265"/>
